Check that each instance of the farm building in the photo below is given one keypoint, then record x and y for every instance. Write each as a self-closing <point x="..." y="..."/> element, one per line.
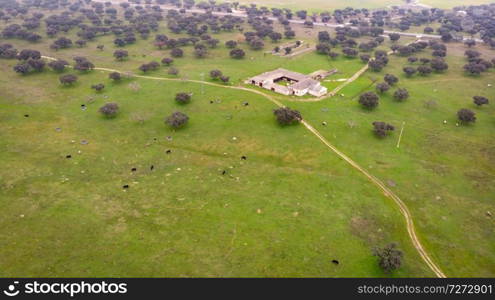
<point x="287" y="82"/>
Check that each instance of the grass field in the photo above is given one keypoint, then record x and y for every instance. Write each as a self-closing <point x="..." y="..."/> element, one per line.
<point x="443" y="172"/>
<point x="454" y="3"/>
<point x="289" y="209"/>
<point x="322" y="5"/>
<point x="288" y="204"/>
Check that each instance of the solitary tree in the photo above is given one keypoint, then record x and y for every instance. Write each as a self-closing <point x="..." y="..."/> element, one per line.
<point x="365" y="58"/>
<point x="382" y="87"/>
<point x="438" y="65"/>
<point x="115" y="76"/>
<point x="84" y="65"/>
<point x="376" y="65"/>
<point x="22" y="68"/>
<point x="381" y="129"/>
<point x="394" y="37"/>
<point x="231" y="44"/>
<point x="389" y="257"/>
<point x="480" y="100"/>
<point x="409" y="71"/>
<point x="68" y="79"/>
<point x="424" y="70"/>
<point x="215" y="74"/>
<point x="183" y="98"/>
<point x="58" y="65"/>
<point x="177" y="52"/>
<point x="177" y="120"/>
<point x="401" y="94"/>
<point x="167" y="61"/>
<point x="224" y="79"/>
<point x="145" y="68"/>
<point x="237" y="53"/>
<point x="109" y="109"/>
<point x="369" y="100"/>
<point x="391" y="79"/>
<point x="120" y="54"/>
<point x="98" y="87"/>
<point x="466" y="116"/>
<point x="287" y="116"/>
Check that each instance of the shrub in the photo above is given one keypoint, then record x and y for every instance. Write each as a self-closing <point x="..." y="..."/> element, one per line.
<point x="382" y="87"/>
<point x="215" y="74"/>
<point x="177" y="52"/>
<point x="466" y="116"/>
<point x="116" y="76"/>
<point x="389" y="257"/>
<point x="369" y="100"/>
<point x="183" y="98"/>
<point x="381" y="129"/>
<point x="391" y="79"/>
<point x="58" y="65"/>
<point x="237" y="53"/>
<point x="424" y="70"/>
<point x="177" y="120"/>
<point x="401" y="94"/>
<point x="287" y="116"/>
<point x="167" y="61"/>
<point x="109" y="109"/>
<point x="231" y="44"/>
<point x="120" y="54"/>
<point x="409" y="71"/>
<point x="68" y="79"/>
<point x="98" y="87"/>
<point x="479" y="100"/>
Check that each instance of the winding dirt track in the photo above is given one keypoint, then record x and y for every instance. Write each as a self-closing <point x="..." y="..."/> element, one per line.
<point x="386" y="191"/>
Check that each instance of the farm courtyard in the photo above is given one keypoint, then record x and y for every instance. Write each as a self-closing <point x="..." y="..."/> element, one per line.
<point x="232" y="192"/>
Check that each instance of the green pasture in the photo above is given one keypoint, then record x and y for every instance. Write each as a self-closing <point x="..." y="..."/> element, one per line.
<point x="288" y="204"/>
<point x="194" y="207"/>
<point x="444" y="172"/>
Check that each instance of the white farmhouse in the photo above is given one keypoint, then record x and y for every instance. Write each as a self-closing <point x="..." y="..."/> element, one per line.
<point x="286" y="82"/>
